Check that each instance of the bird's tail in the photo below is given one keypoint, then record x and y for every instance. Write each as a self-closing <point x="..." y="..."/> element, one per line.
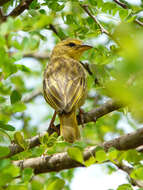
<point x="69" y="127"/>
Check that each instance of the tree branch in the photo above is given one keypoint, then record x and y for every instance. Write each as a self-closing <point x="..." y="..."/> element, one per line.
<point x="61" y="161"/>
<point x="127" y="141"/>
<point x="31" y="96"/>
<point x="138" y="22"/>
<point x="128" y="170"/>
<point x="35" y="55"/>
<point x="1" y="14"/>
<point x="24" y="4"/>
<point x="38" y="55"/>
<point x="123" y="5"/>
<point x="90" y="116"/>
<point x="52" y="27"/>
<point x="20" y="8"/>
<point x="102" y="29"/>
<point x="104" y="109"/>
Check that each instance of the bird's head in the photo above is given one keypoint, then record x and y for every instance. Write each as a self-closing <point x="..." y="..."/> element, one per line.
<point x="72" y="48"/>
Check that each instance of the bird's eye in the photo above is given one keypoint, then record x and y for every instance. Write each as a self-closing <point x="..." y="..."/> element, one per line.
<point x="71" y="44"/>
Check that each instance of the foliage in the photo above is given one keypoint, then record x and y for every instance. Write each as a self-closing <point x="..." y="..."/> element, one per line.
<point x="116" y="33"/>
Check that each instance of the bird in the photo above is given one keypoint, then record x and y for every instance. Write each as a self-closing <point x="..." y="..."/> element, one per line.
<point x="64" y="85"/>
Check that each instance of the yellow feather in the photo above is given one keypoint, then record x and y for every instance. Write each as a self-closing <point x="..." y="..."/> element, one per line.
<point x="65" y="85"/>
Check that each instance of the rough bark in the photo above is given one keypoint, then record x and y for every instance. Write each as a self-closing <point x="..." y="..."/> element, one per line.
<point x="90" y="116"/>
<point x="61" y="161"/>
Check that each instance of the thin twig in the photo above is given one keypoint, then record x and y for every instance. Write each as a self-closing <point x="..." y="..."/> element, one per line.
<point x="20" y="8"/>
<point x="38" y="55"/>
<point x="123" y="5"/>
<point x="55" y="31"/>
<point x="87" y="68"/>
<point x="1" y="14"/>
<point x="35" y="55"/>
<point x="128" y="169"/>
<point x="138" y="22"/>
<point x="24" y="4"/>
<point x="32" y="96"/>
<point x="52" y="27"/>
<point x="102" y="29"/>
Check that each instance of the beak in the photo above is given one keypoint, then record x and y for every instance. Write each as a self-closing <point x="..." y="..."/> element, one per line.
<point x="84" y="47"/>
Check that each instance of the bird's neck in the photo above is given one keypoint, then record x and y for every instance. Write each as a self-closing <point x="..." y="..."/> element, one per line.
<point x="65" y="56"/>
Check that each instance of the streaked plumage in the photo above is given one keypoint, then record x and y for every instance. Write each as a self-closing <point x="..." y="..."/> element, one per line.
<point x="65" y="85"/>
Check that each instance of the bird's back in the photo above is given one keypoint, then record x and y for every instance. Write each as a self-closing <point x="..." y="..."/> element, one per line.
<point x="64" y="84"/>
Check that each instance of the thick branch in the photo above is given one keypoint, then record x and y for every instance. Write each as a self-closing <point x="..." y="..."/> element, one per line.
<point x="32" y="142"/>
<point x="61" y="161"/>
<point x="93" y="115"/>
<point x="125" y="142"/>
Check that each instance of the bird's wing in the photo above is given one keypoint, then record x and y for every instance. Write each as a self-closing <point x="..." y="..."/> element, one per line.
<point x="64" y="84"/>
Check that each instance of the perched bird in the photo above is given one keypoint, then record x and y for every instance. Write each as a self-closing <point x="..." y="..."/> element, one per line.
<point x="64" y="85"/>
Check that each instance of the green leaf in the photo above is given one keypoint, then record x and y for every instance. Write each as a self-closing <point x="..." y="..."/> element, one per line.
<point x="27" y="174"/>
<point x="57" y="184"/>
<point x="6" y="126"/>
<point x="112" y="153"/>
<point x="36" y="185"/>
<point x="111" y="168"/>
<point x="67" y="175"/>
<point x="3" y="29"/>
<point x="132" y="156"/>
<point x="18" y="107"/>
<point x="137" y="173"/>
<point x="34" y="4"/>
<point x="100" y="155"/>
<point x="76" y="154"/>
<point x="17" y="24"/>
<point x="2" y="99"/>
<point x="4" y="151"/>
<point x="90" y="161"/>
<point x="17" y="56"/>
<point x="5" y="178"/>
<point x="4" y="163"/>
<point x="125" y="187"/>
<point x="19" y="139"/>
<point x="93" y="2"/>
<point x="23" y="68"/>
<point x="15" y="96"/>
<point x="55" y="6"/>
